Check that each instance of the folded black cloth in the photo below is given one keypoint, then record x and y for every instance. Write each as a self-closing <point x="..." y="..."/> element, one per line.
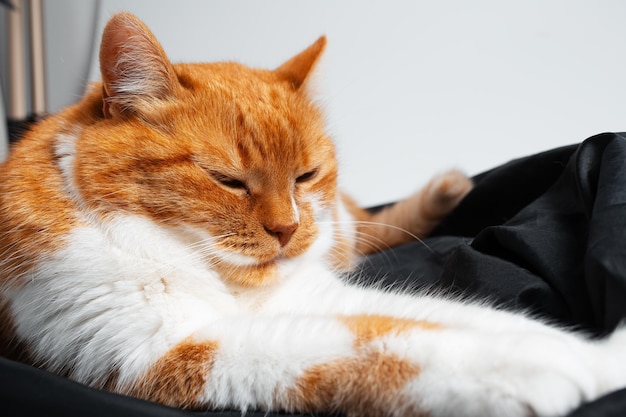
<point x="544" y="234"/>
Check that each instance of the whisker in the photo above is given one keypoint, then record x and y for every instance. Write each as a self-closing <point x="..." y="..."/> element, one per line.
<point x="371" y="223"/>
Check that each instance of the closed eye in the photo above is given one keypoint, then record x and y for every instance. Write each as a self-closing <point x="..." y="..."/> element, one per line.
<point x="307" y="176"/>
<point x="229" y="182"/>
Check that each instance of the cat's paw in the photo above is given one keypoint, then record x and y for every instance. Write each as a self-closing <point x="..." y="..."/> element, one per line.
<point x="525" y="375"/>
<point x="610" y="363"/>
<point x="444" y="192"/>
<point x="540" y="395"/>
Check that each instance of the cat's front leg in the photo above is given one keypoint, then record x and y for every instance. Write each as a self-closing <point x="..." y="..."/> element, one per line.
<point x="372" y="365"/>
<point x="472" y="373"/>
<point x="288" y="363"/>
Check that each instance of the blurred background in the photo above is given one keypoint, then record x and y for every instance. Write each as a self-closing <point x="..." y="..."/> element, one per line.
<point x="410" y="87"/>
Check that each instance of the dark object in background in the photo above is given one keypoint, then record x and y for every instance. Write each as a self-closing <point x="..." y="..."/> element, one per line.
<point x="17" y="128"/>
<point x="26" y="76"/>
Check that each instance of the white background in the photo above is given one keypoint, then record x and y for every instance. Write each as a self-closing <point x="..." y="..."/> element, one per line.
<point x="410" y="87"/>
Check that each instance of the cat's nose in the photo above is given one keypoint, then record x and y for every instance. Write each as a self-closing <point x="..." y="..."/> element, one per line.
<point x="282" y="232"/>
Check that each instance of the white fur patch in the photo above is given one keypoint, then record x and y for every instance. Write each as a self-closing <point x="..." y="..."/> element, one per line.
<point x="124" y="291"/>
<point x="65" y="151"/>
<point x="235" y="259"/>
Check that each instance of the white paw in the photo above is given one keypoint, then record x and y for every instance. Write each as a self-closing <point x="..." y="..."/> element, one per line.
<point x="610" y="363"/>
<point x="528" y="394"/>
<point x="486" y="375"/>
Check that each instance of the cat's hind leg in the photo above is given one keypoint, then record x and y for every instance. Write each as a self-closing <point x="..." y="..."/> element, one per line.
<point x="411" y="218"/>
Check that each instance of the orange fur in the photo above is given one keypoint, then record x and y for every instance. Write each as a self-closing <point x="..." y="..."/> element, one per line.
<point x="35" y="212"/>
<point x="359" y="386"/>
<point x="178" y="377"/>
<point x="369" y="327"/>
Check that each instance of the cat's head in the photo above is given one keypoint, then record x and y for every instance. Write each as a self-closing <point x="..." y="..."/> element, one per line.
<point x="234" y="155"/>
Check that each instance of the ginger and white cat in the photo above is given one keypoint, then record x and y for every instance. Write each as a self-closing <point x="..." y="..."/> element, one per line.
<point x="176" y="236"/>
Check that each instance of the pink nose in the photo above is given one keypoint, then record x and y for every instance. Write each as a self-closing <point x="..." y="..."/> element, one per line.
<point x="282" y="232"/>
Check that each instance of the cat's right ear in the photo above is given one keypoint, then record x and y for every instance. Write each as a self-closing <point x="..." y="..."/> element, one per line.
<point x="136" y="74"/>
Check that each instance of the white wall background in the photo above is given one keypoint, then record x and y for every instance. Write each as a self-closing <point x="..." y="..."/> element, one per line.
<point x="411" y="87"/>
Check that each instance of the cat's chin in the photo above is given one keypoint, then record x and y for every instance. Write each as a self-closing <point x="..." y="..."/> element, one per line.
<point x="277" y="260"/>
<point x="255" y="274"/>
<point x="239" y="260"/>
<point x="251" y="276"/>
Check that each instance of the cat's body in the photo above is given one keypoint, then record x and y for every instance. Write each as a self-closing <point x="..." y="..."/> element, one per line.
<point x="176" y="235"/>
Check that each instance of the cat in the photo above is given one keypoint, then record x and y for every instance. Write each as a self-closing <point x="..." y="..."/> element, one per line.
<point x="178" y="236"/>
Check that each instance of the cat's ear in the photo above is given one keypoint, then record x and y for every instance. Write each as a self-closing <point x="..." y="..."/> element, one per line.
<point x="136" y="73"/>
<point x="298" y="69"/>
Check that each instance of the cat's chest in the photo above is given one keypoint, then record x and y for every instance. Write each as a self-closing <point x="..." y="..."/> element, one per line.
<point x="137" y="266"/>
<point x="303" y="287"/>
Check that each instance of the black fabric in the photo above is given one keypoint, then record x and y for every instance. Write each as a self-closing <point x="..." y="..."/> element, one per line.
<point x="543" y="233"/>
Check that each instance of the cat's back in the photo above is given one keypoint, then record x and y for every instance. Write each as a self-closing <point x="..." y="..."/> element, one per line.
<point x="35" y="211"/>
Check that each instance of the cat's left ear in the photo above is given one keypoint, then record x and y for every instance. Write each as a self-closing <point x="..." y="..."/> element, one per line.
<point x="137" y="76"/>
<point x="299" y="68"/>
